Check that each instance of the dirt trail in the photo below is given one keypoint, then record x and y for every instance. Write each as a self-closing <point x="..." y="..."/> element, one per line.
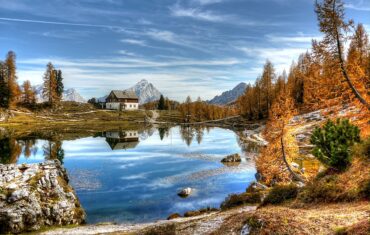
<point x="155" y="116"/>
<point x="203" y="224"/>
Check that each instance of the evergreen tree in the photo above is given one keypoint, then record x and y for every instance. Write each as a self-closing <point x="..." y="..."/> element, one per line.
<point x="333" y="142"/>
<point x="59" y="85"/>
<point x="4" y="88"/>
<point x="161" y="103"/>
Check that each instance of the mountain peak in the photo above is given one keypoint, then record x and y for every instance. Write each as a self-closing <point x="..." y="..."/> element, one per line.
<point x="143" y="81"/>
<point x="70" y="94"/>
<point x="146" y="91"/>
<point x="229" y="96"/>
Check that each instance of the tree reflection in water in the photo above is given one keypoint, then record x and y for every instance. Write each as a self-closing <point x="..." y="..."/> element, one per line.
<point x="53" y="150"/>
<point x="189" y="132"/>
<point x="11" y="149"/>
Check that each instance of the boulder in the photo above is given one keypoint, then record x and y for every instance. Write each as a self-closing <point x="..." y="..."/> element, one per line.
<point x="245" y="230"/>
<point x="173" y="216"/>
<point x="185" y="192"/>
<point x="38" y="196"/>
<point x="232" y="158"/>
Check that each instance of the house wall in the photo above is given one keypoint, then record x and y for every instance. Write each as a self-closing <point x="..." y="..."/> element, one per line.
<point x="111" y="105"/>
<point x="131" y="106"/>
<point x="127" y="106"/>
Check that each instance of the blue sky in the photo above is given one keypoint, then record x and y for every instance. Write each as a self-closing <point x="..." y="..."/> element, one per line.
<point x="184" y="47"/>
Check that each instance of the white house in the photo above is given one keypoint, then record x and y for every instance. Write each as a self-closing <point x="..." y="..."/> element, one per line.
<point x="122" y="100"/>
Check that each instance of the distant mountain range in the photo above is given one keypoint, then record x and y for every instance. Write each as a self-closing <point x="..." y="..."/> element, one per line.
<point x="146" y="92"/>
<point x="68" y="95"/>
<point x="229" y="96"/>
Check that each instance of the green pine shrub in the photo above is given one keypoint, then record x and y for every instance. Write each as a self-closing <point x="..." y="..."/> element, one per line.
<point x="333" y="141"/>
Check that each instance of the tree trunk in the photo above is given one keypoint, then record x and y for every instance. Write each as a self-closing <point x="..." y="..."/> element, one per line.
<point x="343" y="68"/>
<point x="294" y="175"/>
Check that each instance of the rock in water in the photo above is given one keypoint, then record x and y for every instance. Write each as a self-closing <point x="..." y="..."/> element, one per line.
<point x="36" y="195"/>
<point x="185" y="192"/>
<point x="232" y="158"/>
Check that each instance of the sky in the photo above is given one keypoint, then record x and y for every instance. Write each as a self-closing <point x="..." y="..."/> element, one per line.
<point x="184" y="47"/>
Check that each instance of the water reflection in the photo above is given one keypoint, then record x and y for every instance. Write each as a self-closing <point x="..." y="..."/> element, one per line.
<point x="122" y="139"/>
<point x="188" y="133"/>
<point x="53" y="150"/>
<point x="11" y="149"/>
<point x="134" y="175"/>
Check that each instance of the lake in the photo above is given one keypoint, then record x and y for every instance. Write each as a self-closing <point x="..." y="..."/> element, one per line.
<point x="129" y="176"/>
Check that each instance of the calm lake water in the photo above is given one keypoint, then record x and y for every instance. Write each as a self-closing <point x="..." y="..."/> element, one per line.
<point x="134" y="176"/>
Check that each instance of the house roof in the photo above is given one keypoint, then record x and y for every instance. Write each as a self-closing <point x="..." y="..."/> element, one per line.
<point x="125" y="94"/>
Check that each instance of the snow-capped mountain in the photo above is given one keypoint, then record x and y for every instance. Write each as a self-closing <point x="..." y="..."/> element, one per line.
<point x="229" y="96"/>
<point x="72" y="95"/>
<point x="68" y="95"/>
<point x="145" y="90"/>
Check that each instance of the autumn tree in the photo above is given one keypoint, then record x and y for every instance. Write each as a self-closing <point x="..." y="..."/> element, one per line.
<point x="331" y="17"/>
<point x="188" y="110"/>
<point x="198" y="109"/>
<point x="49" y="91"/>
<point x="267" y="82"/>
<point x="29" y="96"/>
<point x="357" y="59"/>
<point x="11" y="77"/>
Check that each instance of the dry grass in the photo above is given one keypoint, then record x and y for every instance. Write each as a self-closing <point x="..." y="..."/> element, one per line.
<point x="317" y="219"/>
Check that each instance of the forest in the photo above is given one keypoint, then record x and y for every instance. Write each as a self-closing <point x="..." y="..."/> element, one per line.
<point x="13" y="95"/>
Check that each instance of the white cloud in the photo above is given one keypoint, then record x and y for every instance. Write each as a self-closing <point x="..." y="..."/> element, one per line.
<point x="123" y="52"/>
<point x="198" y="14"/>
<point x="164" y="35"/>
<point x="360" y="6"/>
<point x="95" y="77"/>
<point x="59" y="23"/>
<point x="207" y="2"/>
<point x="134" y="42"/>
<point x="281" y="58"/>
<point x="172" y="38"/>
<point x="292" y="39"/>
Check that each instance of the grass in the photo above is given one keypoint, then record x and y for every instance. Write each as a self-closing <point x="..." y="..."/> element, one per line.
<point x="247" y="198"/>
<point x="316" y="219"/>
<point x="35" y="180"/>
<point x="172" y="116"/>
<point x="280" y="194"/>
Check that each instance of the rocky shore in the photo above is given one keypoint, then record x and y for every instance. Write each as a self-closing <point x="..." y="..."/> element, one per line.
<point x="33" y="196"/>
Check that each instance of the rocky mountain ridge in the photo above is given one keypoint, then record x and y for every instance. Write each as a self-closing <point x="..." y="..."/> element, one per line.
<point x="229" y="96"/>
<point x="70" y="94"/>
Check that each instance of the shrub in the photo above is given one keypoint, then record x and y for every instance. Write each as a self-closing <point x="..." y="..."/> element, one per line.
<point x="234" y="200"/>
<point x="365" y="190"/>
<point x="333" y="141"/>
<point x="281" y="193"/>
<point x="362" y="149"/>
<point x="326" y="190"/>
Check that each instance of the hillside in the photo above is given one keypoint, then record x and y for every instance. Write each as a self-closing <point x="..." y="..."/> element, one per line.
<point x="229" y="96"/>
